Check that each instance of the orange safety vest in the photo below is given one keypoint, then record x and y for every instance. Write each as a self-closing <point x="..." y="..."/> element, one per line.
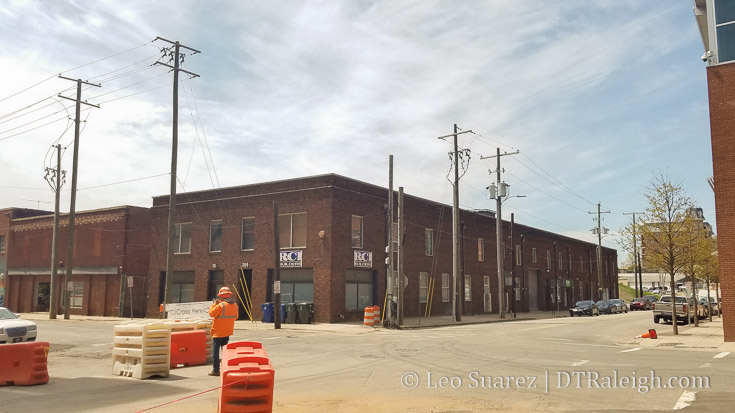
<point x="224" y="315"/>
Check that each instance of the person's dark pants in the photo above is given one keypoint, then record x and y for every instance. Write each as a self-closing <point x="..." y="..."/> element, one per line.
<point x="217" y="343"/>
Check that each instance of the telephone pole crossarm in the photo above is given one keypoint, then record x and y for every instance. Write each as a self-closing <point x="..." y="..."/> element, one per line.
<point x="453" y="134"/>
<point x="502" y="154"/>
<point x="179" y="69"/>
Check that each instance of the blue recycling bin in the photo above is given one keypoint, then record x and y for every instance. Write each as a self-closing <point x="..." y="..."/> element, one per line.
<point x="267" y="312"/>
<point x="283" y="313"/>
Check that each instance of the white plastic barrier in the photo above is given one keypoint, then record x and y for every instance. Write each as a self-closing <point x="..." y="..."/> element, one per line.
<point x="141" y="350"/>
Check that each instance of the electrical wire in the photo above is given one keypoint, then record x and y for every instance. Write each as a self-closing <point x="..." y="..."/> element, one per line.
<point x="74" y="68"/>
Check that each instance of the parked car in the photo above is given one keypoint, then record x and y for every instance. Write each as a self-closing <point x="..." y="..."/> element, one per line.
<point x="684" y="310"/>
<point x="651" y="298"/>
<point x="656" y="291"/>
<point x="640" y="303"/>
<point x="713" y="302"/>
<point x="621" y="305"/>
<point x="15" y="330"/>
<point x="581" y="308"/>
<point x="604" y="307"/>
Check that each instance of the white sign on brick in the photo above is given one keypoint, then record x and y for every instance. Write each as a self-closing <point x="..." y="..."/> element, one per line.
<point x="184" y="311"/>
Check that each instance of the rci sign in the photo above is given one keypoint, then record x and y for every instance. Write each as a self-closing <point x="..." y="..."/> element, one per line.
<point x="291" y="258"/>
<point x="363" y="259"/>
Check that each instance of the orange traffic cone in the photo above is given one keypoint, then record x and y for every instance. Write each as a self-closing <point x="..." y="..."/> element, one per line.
<point x="650" y="334"/>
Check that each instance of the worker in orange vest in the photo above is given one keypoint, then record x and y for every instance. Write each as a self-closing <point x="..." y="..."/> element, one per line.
<point x="224" y="312"/>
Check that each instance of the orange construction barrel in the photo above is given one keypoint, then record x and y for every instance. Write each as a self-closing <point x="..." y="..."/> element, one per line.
<point x="369" y="317"/>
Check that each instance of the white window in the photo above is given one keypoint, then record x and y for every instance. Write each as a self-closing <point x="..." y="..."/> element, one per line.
<point x="569" y="258"/>
<point x="548" y="259"/>
<point x="423" y="286"/>
<point x="357" y="228"/>
<point x="182" y="238"/>
<point x="2" y="244"/>
<point x="445" y="288"/>
<point x="292" y="230"/>
<point x="480" y="249"/>
<point x="519" y="255"/>
<point x="77" y="295"/>
<point x="533" y="255"/>
<point x="467" y="287"/>
<point x="248" y="234"/>
<point x="215" y="236"/>
<point x="429" y="243"/>
<point x="560" y="259"/>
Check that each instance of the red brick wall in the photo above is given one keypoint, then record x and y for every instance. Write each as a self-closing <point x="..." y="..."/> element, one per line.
<point x="721" y="85"/>
<point x="103" y="238"/>
<point x="330" y="201"/>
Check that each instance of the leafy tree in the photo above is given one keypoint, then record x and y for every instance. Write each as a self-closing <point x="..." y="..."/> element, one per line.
<point x="697" y="251"/>
<point x="665" y="230"/>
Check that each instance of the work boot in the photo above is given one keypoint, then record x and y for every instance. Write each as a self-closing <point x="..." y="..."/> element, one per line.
<point x="214" y="373"/>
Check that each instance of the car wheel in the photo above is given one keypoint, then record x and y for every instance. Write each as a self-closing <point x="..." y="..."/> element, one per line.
<point x="571" y="315"/>
<point x="656" y="319"/>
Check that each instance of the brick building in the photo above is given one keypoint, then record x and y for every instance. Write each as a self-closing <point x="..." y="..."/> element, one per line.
<point x="332" y="233"/>
<point x="6" y="216"/>
<point x="716" y="21"/>
<point x="108" y="244"/>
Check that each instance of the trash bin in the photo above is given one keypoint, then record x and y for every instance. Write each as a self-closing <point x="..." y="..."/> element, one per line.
<point x="306" y="312"/>
<point x="267" y="312"/>
<point x="291" y="313"/>
<point x="283" y="313"/>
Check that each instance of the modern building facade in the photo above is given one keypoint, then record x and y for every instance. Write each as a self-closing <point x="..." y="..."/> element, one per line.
<point x="332" y="237"/>
<point x="716" y="22"/>
<point x="110" y="245"/>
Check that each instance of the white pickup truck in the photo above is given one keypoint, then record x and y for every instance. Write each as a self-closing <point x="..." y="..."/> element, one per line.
<point x="684" y="310"/>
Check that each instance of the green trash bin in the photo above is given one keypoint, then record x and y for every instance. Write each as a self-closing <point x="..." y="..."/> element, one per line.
<point x="306" y="313"/>
<point x="292" y="314"/>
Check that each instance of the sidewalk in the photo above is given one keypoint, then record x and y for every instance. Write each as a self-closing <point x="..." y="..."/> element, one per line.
<point x="708" y="336"/>
<point x="410" y="323"/>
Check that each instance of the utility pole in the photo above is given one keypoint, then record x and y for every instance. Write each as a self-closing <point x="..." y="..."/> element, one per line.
<point x="177" y="57"/>
<point x="556" y="279"/>
<point x="401" y="233"/>
<point x="598" y="231"/>
<point x="276" y="271"/>
<point x="456" y="282"/>
<point x="391" y="280"/>
<point x="514" y="259"/>
<point x="500" y="193"/>
<point x="54" y="178"/>
<point x="74" y="173"/>
<point x="638" y="291"/>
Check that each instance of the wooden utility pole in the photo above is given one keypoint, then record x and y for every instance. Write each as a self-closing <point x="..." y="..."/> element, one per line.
<point x="500" y="193"/>
<point x="636" y="274"/>
<point x="176" y="56"/>
<point x="54" y="176"/>
<point x="74" y="172"/>
<point x="390" y="278"/>
<point x="276" y="271"/>
<point x="514" y="259"/>
<point x="599" y="251"/>
<point x="456" y="272"/>
<point x="401" y="230"/>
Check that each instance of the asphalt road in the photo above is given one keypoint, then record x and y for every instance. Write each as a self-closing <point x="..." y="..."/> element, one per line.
<point x="563" y="364"/>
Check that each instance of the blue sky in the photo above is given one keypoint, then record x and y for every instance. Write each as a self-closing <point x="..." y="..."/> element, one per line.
<point x="597" y="96"/>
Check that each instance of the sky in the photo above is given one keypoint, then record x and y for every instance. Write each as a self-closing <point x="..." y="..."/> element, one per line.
<point x="597" y="97"/>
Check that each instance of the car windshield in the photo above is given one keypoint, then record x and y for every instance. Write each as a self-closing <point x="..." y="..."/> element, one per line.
<point x="639" y="299"/>
<point x="584" y="303"/>
<point x="615" y="300"/>
<point x="602" y="303"/>
<point x="6" y="314"/>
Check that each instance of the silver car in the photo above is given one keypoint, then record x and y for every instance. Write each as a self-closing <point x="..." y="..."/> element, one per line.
<point x="15" y="330"/>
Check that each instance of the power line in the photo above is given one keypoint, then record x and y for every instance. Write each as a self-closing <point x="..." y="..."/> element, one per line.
<point x="74" y="68"/>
